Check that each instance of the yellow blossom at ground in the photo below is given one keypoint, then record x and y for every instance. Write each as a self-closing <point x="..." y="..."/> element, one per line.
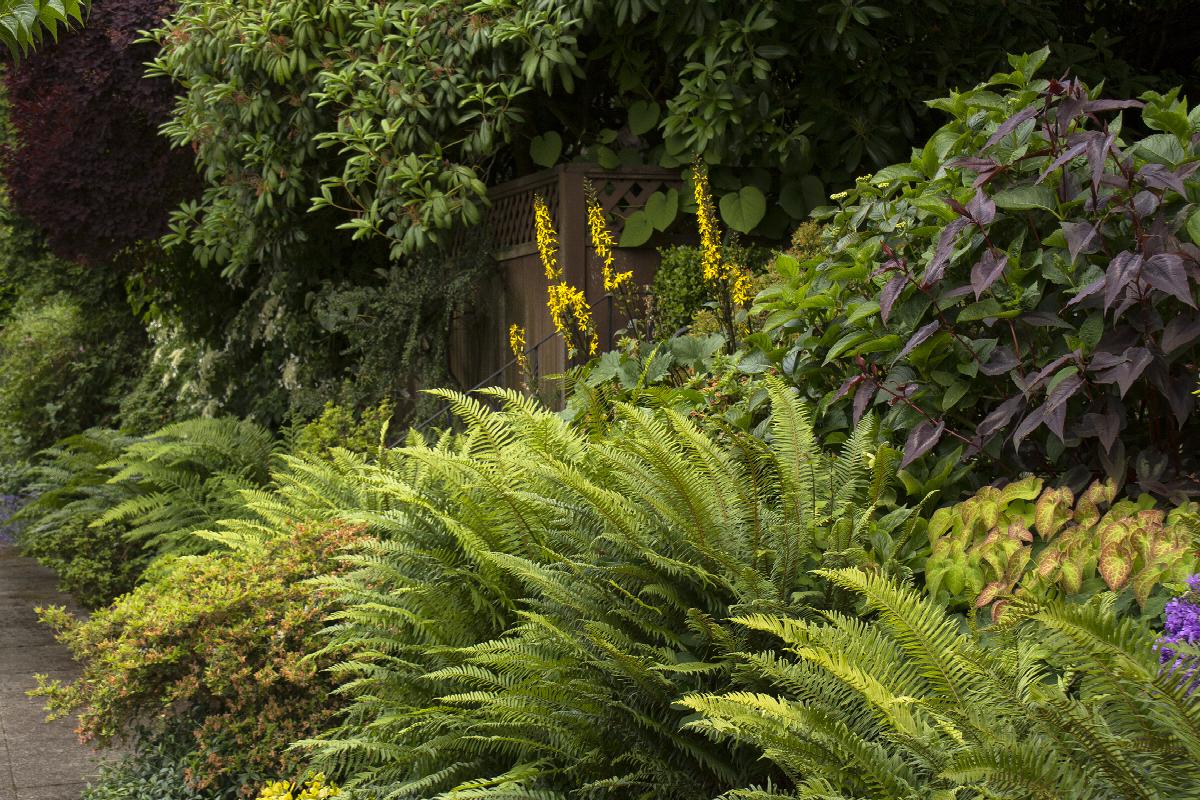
<point x="315" y="789"/>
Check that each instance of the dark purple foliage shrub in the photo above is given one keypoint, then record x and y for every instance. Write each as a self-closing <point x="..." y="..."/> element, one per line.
<point x="88" y="164"/>
<point x="1024" y="288"/>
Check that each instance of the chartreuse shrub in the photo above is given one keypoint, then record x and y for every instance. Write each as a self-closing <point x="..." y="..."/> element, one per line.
<point x="1026" y="540"/>
<point x="1060" y="702"/>
<point x="210" y="651"/>
<point x="1023" y="288"/>
<point x="535" y="599"/>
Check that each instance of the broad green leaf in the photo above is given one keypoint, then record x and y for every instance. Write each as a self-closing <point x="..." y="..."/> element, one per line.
<point x="545" y="149"/>
<point x="1193" y="227"/>
<point x="1024" y="198"/>
<point x="643" y="116"/>
<point x="744" y="209"/>
<point x="638" y="230"/>
<point x="662" y="208"/>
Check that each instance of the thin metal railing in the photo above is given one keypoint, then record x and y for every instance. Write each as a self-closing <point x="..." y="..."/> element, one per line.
<point x="532" y="356"/>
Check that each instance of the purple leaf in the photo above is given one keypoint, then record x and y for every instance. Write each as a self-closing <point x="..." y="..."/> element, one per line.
<point x="1167" y="273"/>
<point x="917" y="338"/>
<point x="1179" y="332"/>
<point x="1000" y="416"/>
<point x="1082" y="237"/>
<point x="1104" y="427"/>
<point x="987" y="270"/>
<point x="1133" y="363"/>
<point x="941" y="255"/>
<point x="1163" y="177"/>
<point x="862" y="398"/>
<point x="973" y="163"/>
<point x="921" y="440"/>
<point x="1063" y="392"/>
<point x="849" y="384"/>
<point x="1035" y="381"/>
<point x="890" y="293"/>
<point x="1098" y="147"/>
<point x="1121" y="270"/>
<point x="1087" y="291"/>
<point x="1092" y="106"/>
<point x="982" y="209"/>
<point x="1056" y="420"/>
<point x="1009" y="125"/>
<point x="1145" y="202"/>
<point x="1028" y="425"/>
<point x="1179" y="395"/>
<point x="1074" y="151"/>
<point x="1002" y="360"/>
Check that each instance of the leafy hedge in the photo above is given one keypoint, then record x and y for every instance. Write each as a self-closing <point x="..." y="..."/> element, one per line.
<point x="1024" y="287"/>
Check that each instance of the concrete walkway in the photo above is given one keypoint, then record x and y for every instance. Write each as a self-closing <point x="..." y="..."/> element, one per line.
<point x="38" y="761"/>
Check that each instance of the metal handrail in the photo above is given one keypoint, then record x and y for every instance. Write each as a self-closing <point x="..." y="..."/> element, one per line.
<point x="530" y="353"/>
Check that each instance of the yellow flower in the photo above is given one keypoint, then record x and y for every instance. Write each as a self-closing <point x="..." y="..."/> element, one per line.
<point x="706" y="218"/>
<point x="315" y="789"/>
<point x="839" y="196"/>
<point x="547" y="239"/>
<point x="516" y="341"/>
<point x="739" y="291"/>
<point x="603" y="243"/>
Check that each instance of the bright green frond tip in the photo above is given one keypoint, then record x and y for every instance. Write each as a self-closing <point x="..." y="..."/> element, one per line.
<point x="23" y="23"/>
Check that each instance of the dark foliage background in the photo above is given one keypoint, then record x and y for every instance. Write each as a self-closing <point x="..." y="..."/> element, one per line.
<point x="87" y="161"/>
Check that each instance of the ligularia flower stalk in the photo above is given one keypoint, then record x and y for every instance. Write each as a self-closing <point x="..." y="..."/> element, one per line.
<point x="569" y="309"/>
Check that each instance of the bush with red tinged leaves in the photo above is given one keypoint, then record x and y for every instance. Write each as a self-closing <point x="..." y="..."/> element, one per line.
<point x="87" y="162"/>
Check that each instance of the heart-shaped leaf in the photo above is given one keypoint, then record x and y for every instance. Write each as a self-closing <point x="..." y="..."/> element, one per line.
<point x="638" y="230"/>
<point x="643" y="116"/>
<point x="545" y="149"/>
<point x="744" y="209"/>
<point x="662" y="208"/>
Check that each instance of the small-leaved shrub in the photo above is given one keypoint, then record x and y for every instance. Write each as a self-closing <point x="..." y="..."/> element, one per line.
<point x="211" y="648"/>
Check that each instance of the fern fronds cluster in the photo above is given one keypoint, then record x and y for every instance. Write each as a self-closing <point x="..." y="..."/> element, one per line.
<point x="535" y="602"/>
<point x="1059" y="702"/>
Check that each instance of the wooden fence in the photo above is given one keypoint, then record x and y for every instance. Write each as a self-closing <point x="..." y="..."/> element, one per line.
<point x="515" y="292"/>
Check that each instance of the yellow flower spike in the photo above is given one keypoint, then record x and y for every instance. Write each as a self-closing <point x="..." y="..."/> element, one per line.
<point x="603" y="243"/>
<point x="740" y="290"/>
<point x="516" y="341"/>
<point x="547" y="239"/>
<point x="706" y="219"/>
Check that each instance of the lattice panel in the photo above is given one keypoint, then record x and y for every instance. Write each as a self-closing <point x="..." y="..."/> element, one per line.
<point x="510" y="219"/>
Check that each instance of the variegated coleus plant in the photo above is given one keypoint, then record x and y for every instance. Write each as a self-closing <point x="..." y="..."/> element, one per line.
<point x="1025" y="538"/>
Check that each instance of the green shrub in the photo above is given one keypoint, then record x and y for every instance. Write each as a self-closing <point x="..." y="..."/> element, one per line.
<point x="106" y="504"/>
<point x="59" y="373"/>
<point x="679" y="290"/>
<point x="340" y="427"/>
<point x="1024" y="287"/>
<point x="539" y="597"/>
<point x="152" y="772"/>
<point x="1062" y="703"/>
<point x="210" y="650"/>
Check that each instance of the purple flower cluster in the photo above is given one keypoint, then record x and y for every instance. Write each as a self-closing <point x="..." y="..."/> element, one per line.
<point x="1182" y="627"/>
